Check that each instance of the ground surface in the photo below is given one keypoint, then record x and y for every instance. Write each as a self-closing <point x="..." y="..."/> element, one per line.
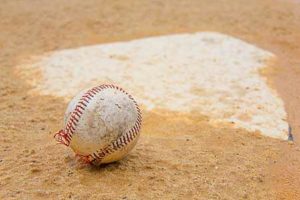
<point x="184" y="157"/>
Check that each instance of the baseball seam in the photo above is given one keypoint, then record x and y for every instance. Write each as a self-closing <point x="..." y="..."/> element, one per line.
<point x="65" y="136"/>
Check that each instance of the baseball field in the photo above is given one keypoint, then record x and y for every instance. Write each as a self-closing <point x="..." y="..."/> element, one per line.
<point x="217" y="82"/>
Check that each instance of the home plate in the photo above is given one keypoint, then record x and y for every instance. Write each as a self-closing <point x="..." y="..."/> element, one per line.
<point x="210" y="73"/>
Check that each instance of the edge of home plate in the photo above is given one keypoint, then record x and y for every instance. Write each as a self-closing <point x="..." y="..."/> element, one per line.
<point x="211" y="73"/>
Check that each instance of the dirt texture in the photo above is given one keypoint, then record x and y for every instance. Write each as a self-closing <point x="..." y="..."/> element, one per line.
<point x="179" y="156"/>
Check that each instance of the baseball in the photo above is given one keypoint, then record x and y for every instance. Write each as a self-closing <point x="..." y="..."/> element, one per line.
<point x="101" y="124"/>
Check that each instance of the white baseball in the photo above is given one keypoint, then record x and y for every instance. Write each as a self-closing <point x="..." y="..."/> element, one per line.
<point x="101" y="124"/>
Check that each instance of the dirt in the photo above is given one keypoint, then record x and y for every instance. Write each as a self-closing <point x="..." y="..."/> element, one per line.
<point x="179" y="156"/>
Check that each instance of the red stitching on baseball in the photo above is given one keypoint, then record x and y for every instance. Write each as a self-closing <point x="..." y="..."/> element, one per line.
<point x="74" y="118"/>
<point x="73" y="121"/>
<point x="122" y="140"/>
<point x="61" y="137"/>
<point x="84" y="99"/>
<point x="87" y="96"/>
<point x="94" y="155"/>
<point x="131" y="135"/>
<point x="77" y="110"/>
<point x="82" y="103"/>
<point x="115" y="145"/>
<point x="127" y="137"/>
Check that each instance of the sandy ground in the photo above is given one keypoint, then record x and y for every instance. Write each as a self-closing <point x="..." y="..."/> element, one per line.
<point x="183" y="158"/>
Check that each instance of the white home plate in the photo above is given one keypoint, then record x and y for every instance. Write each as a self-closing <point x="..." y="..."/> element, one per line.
<point x="210" y="73"/>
